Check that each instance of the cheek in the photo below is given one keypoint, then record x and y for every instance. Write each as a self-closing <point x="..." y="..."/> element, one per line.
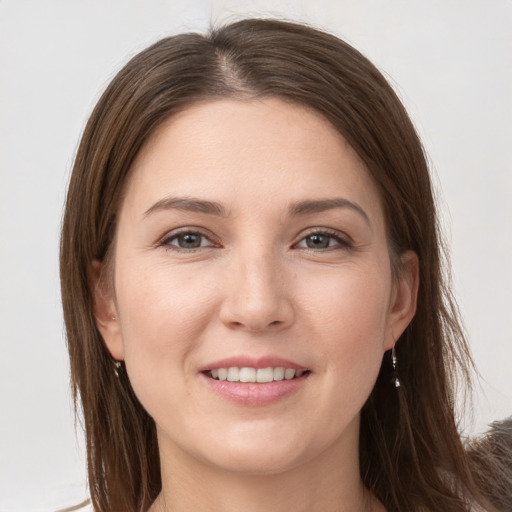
<point x="163" y="311"/>
<point x="346" y="315"/>
<point x="349" y="302"/>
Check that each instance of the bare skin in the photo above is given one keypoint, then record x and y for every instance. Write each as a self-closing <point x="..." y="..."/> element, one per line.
<point x="251" y="231"/>
<point x="317" y="488"/>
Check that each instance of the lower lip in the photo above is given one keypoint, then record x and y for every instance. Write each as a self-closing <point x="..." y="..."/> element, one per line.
<point x="249" y="393"/>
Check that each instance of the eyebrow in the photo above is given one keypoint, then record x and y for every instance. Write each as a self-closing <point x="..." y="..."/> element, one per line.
<point x="190" y="204"/>
<point x="308" y="207"/>
<point x="305" y="207"/>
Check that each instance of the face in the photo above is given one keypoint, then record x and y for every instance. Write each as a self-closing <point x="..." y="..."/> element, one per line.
<point x="252" y="236"/>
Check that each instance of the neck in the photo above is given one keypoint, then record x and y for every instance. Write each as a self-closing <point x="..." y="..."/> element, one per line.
<point x="328" y="483"/>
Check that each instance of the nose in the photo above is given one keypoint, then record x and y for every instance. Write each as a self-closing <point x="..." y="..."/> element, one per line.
<point x="257" y="294"/>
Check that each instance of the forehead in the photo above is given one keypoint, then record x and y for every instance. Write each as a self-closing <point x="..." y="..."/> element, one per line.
<point x="247" y="153"/>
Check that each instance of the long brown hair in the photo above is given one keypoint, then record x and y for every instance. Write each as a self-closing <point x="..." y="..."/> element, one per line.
<point x="411" y="454"/>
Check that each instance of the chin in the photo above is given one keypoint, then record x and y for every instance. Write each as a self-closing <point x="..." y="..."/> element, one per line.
<point x="255" y="461"/>
<point x="260" y="452"/>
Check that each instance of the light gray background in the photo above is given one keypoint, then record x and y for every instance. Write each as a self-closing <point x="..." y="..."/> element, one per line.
<point x="451" y="63"/>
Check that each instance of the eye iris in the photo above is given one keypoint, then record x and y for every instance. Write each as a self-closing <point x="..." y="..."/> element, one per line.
<point x="189" y="241"/>
<point x="317" y="241"/>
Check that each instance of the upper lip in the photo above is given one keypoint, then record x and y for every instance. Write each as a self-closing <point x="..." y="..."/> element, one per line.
<point x="253" y="362"/>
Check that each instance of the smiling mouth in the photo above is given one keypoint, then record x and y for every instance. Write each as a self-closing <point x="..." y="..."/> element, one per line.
<point x="257" y="375"/>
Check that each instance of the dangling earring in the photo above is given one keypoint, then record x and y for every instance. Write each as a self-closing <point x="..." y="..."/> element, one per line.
<point x="117" y="365"/>
<point x="395" y="380"/>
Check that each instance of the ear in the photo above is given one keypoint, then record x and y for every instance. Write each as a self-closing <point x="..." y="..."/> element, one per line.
<point x="105" y="311"/>
<point x="403" y="299"/>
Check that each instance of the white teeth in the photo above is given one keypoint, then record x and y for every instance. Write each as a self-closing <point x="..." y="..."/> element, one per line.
<point x="279" y="373"/>
<point x="261" y="375"/>
<point x="265" y="375"/>
<point x="289" y="373"/>
<point x="247" y="375"/>
<point x="233" y="374"/>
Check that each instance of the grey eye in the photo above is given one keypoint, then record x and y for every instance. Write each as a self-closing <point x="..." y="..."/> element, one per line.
<point x="317" y="241"/>
<point x="188" y="240"/>
<point x="323" y="240"/>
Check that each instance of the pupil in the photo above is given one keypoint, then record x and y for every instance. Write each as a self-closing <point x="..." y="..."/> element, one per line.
<point x="317" y="242"/>
<point x="190" y="241"/>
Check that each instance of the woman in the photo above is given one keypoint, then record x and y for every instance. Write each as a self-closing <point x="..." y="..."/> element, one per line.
<point x="252" y="286"/>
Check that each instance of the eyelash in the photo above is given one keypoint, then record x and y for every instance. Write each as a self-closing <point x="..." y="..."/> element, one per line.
<point x="342" y="242"/>
<point x="166" y="242"/>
